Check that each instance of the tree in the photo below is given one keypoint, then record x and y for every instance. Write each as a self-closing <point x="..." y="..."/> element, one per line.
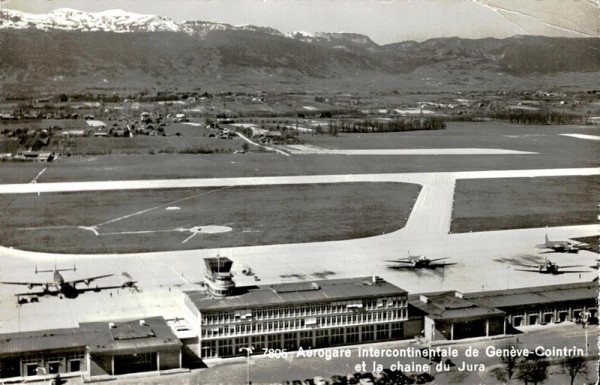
<point x="574" y="365"/>
<point x="533" y="371"/>
<point x="510" y="361"/>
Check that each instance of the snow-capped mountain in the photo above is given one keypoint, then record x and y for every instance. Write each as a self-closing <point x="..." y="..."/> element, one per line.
<point x="115" y="20"/>
<point x="72" y="20"/>
<point x="201" y="28"/>
<point x="120" y="21"/>
<point x="338" y="40"/>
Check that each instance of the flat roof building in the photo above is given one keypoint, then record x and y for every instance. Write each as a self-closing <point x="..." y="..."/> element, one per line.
<point x="542" y="304"/>
<point x="310" y="314"/>
<point x="92" y="349"/>
<point x="449" y="316"/>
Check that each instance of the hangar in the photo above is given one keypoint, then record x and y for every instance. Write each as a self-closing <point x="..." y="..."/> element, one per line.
<point x="542" y="304"/>
<point x="451" y="315"/>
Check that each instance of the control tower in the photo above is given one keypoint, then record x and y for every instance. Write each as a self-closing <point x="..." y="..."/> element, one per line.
<point x="218" y="276"/>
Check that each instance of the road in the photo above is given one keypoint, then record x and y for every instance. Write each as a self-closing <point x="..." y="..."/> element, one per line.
<point x="484" y="260"/>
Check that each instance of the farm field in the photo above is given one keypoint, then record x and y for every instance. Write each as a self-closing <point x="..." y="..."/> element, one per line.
<point x="498" y="204"/>
<point x="553" y="150"/>
<point x="181" y="219"/>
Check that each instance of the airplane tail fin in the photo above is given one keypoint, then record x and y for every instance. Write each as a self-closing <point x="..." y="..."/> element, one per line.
<point x="129" y="282"/>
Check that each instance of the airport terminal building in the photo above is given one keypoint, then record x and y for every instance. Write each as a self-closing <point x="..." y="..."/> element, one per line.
<point x="311" y="314"/>
<point x="222" y="320"/>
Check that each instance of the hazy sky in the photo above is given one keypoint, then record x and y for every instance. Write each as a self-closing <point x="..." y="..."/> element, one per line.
<point x="384" y="21"/>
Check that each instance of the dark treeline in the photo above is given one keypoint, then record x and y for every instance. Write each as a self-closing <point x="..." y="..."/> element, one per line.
<point x="538" y="117"/>
<point x="360" y="126"/>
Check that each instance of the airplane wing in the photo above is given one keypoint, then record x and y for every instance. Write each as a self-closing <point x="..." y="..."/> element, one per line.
<point x="401" y="267"/>
<point x="37" y="293"/>
<point x="30" y="284"/>
<point x="556" y="272"/>
<point x="89" y="279"/>
<point x="399" y="260"/>
<point x="438" y="259"/>
<point x="434" y="265"/>
<point x="530" y="266"/>
<point x="99" y="288"/>
<point x="128" y="283"/>
<point x="569" y="266"/>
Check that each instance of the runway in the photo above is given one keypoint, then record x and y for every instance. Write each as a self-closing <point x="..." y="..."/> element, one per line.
<point x="300" y="149"/>
<point x="148" y="184"/>
<point x="484" y="260"/>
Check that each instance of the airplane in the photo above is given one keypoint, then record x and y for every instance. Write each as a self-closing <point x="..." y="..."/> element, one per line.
<point x="550" y="267"/>
<point x="128" y="283"/>
<point x="561" y="246"/>
<point x="62" y="288"/>
<point x="419" y="262"/>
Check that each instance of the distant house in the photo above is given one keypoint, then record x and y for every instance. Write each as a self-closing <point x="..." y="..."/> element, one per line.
<point x="71" y="133"/>
<point x="97" y="124"/>
<point x="36" y="156"/>
<point x="272" y="136"/>
<point x="181" y="118"/>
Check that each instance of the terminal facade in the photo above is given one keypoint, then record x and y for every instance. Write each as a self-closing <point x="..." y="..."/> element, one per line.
<point x="314" y="314"/>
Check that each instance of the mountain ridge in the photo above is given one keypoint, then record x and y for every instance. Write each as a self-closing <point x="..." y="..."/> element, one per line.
<point x="148" y="49"/>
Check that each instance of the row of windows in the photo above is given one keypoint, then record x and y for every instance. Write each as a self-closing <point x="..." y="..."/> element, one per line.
<point x="29" y="359"/>
<point x="294" y="324"/>
<point x="305" y="339"/>
<point x="299" y="311"/>
<point x="575" y="311"/>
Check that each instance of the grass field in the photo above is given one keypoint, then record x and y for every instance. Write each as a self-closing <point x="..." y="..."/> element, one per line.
<point x="143" y="145"/>
<point x="132" y="221"/>
<point x="537" y="138"/>
<point x="497" y="204"/>
<point x="554" y="151"/>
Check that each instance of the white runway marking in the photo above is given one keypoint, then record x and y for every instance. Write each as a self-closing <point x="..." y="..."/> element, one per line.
<point x="159" y="206"/>
<point x="141" y="232"/>
<point x="93" y="229"/>
<point x="207" y="230"/>
<point x="38" y="175"/>
<point x="583" y="136"/>
<point x="298" y="149"/>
